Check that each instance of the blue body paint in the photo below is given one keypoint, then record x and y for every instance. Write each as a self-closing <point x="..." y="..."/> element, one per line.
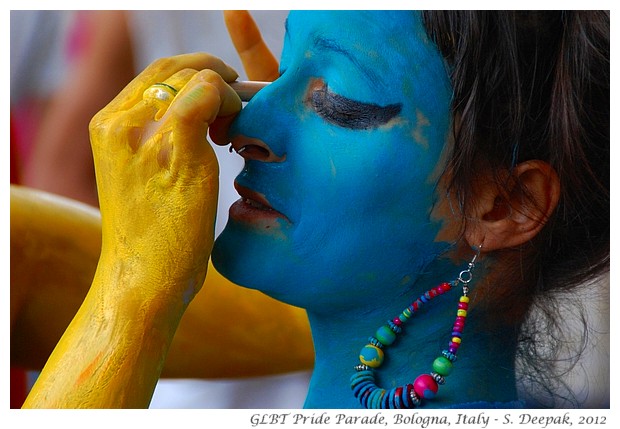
<point x="358" y="241"/>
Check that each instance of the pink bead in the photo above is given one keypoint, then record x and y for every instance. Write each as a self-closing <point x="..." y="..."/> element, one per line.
<point x="425" y="386"/>
<point x="463" y="305"/>
<point x="397" y="321"/>
<point x="458" y="328"/>
<point x="454" y="345"/>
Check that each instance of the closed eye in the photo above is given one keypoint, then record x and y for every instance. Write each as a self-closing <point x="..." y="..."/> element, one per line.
<point x="348" y="113"/>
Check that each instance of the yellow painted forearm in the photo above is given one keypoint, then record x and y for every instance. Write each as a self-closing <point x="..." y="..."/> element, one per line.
<point x="157" y="179"/>
<point x="112" y="352"/>
<point x="55" y="245"/>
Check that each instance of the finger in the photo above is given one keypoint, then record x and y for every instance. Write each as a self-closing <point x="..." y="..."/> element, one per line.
<point x="164" y="68"/>
<point x="160" y="95"/>
<point x="258" y="61"/>
<point x="205" y="97"/>
<point x="135" y="124"/>
<point x="218" y="131"/>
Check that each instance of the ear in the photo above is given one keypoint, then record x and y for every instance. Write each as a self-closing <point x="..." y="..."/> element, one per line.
<point x="509" y="216"/>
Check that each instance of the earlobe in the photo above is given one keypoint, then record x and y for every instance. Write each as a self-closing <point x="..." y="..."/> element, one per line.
<point x="510" y="215"/>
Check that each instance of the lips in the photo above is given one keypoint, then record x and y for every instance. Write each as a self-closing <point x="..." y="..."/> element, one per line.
<point x="253" y="208"/>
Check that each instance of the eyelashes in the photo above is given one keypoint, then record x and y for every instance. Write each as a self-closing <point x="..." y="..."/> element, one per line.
<point x="348" y="113"/>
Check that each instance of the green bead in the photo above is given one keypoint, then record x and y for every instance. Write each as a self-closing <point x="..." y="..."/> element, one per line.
<point x="371" y="355"/>
<point x="385" y="335"/>
<point x="442" y="366"/>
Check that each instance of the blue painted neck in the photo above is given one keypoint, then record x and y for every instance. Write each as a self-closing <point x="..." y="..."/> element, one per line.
<point x="484" y="370"/>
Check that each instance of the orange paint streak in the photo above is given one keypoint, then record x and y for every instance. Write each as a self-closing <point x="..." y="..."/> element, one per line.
<point x="89" y="371"/>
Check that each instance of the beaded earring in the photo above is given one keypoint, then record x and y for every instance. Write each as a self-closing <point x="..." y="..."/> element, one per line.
<point x="425" y="386"/>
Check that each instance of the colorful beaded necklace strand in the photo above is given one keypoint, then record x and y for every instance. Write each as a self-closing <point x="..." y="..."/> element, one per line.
<point x="425" y="386"/>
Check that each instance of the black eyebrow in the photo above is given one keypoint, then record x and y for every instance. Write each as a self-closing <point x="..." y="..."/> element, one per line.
<point x="348" y="113"/>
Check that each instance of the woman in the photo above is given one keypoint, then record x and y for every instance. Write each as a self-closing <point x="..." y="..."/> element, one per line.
<point x="413" y="157"/>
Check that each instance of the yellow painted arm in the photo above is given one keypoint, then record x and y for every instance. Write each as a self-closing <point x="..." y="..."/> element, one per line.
<point x="157" y="182"/>
<point x="112" y="353"/>
<point x="156" y="241"/>
<point x="227" y="331"/>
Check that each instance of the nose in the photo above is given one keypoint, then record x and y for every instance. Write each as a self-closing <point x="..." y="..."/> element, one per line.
<point x="260" y="131"/>
<point x="254" y="149"/>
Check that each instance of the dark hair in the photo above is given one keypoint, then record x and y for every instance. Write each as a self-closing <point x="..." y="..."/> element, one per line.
<point x="535" y="85"/>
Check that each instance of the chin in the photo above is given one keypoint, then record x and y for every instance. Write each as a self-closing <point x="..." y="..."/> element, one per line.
<point x="249" y="260"/>
<point x="227" y="262"/>
<point x="260" y="264"/>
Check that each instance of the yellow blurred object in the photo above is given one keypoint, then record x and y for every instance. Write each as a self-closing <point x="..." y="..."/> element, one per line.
<point x="227" y="331"/>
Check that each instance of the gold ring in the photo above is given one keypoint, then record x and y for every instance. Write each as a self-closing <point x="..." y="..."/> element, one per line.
<point x="159" y="95"/>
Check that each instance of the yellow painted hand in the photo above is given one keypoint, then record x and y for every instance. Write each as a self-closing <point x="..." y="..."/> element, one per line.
<point x="157" y="182"/>
<point x="158" y="179"/>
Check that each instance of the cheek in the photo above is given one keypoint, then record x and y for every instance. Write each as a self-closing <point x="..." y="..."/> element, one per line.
<point x="366" y="188"/>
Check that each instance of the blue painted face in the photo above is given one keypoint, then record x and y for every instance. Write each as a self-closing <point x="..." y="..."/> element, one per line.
<point x="345" y="148"/>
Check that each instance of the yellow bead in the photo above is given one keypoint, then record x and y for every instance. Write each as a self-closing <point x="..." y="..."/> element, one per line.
<point x="464" y="299"/>
<point x="462" y="313"/>
<point x="456" y="340"/>
<point x="372" y="356"/>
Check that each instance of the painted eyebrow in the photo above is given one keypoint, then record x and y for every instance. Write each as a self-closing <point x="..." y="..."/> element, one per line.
<point x="333" y="46"/>
<point x="348" y="113"/>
